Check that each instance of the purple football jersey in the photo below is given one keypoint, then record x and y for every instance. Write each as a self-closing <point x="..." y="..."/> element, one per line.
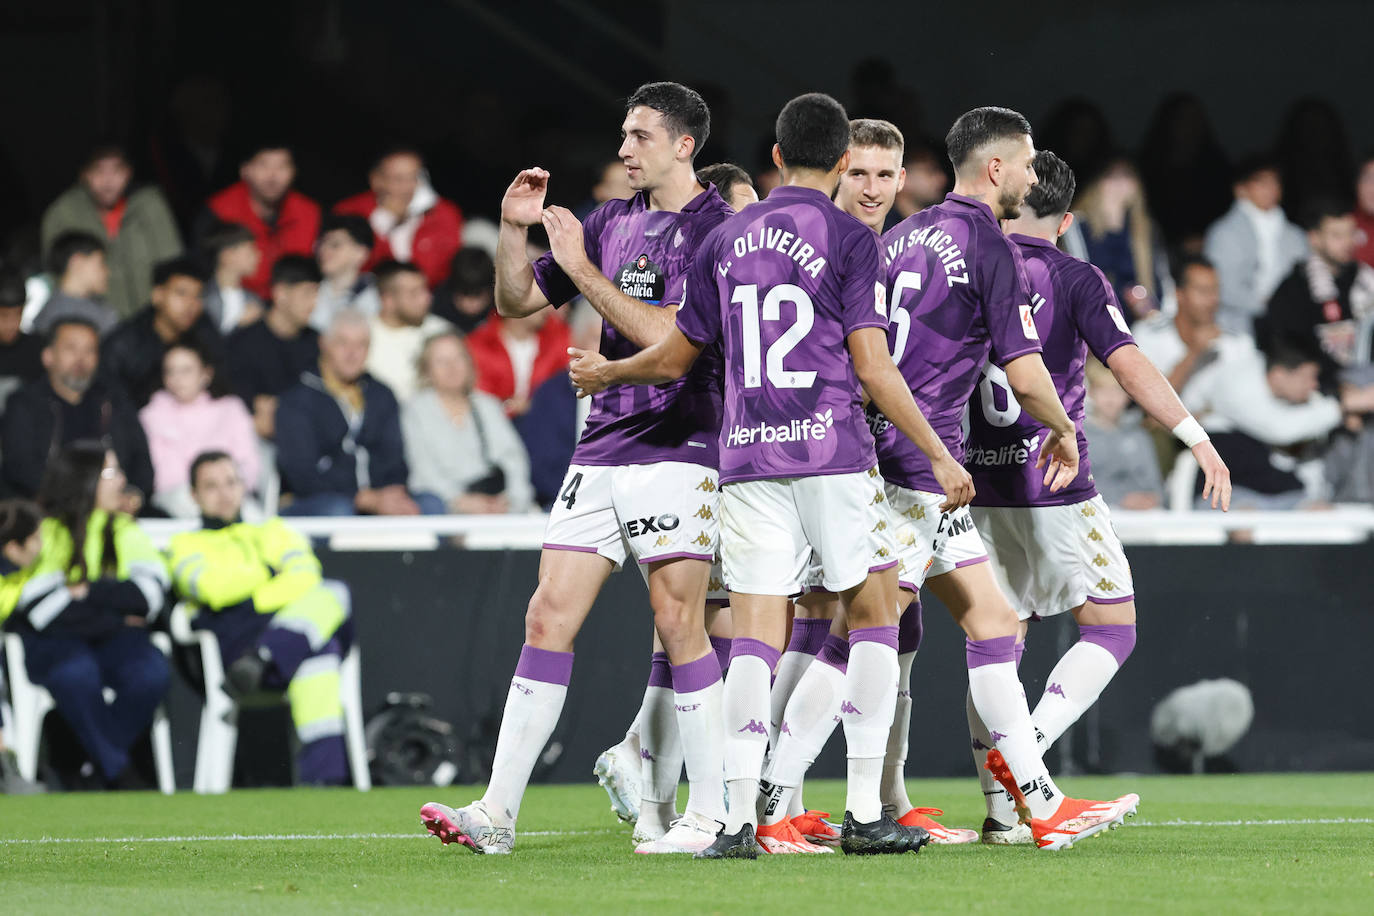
<point x="959" y="297"/>
<point x="646" y="253"/>
<point x="782" y="284"/>
<point x="1075" y="311"/>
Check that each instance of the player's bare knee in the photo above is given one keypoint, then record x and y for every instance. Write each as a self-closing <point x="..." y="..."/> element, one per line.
<point x="542" y="618"/>
<point x="673" y="618"/>
<point x="1119" y="614"/>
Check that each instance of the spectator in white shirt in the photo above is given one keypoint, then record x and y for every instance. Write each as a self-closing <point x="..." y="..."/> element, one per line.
<point x="401" y="327"/>
<point x="345" y="244"/>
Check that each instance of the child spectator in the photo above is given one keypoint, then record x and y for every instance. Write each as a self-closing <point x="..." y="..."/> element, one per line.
<point x="234" y="253"/>
<point x="81" y="278"/>
<point x="345" y="245"/>
<point x="189" y="415"/>
<point x="1124" y="466"/>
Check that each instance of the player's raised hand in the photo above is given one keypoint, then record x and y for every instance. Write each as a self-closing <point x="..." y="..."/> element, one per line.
<point x="523" y="204"/>
<point x="956" y="483"/>
<point x="1216" y="476"/>
<point x="587" y="371"/>
<point x="565" y="237"/>
<point x="1059" y="458"/>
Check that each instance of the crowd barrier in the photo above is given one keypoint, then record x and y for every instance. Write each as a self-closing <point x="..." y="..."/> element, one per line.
<point x="1287" y="614"/>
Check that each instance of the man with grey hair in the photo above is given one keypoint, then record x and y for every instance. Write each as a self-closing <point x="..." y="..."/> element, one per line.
<point x="339" y="445"/>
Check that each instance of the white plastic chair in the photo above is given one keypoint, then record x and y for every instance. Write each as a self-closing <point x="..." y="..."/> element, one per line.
<point x="219" y="729"/>
<point x="30" y="705"/>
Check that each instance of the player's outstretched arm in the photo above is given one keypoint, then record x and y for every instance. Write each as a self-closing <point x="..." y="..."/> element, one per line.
<point x="1034" y="389"/>
<point x="885" y="386"/>
<point x="1148" y="387"/>
<point x="642" y="323"/>
<point x="517" y="295"/>
<point x="665" y="361"/>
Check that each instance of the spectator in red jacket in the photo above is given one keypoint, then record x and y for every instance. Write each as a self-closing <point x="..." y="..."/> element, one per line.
<point x="411" y="221"/>
<point x="514" y="356"/>
<point x="282" y="220"/>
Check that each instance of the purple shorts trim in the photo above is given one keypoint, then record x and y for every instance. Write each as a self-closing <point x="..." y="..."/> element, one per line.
<point x="697" y="675"/>
<point x="885" y="636"/>
<point x="659" y="672"/>
<point x="1122" y="600"/>
<point x="717" y="602"/>
<point x="543" y="665"/>
<point x="678" y="556"/>
<point x="980" y="652"/>
<point x="812" y="589"/>
<point x="884" y="566"/>
<point x="909" y="586"/>
<point x="743" y="645"/>
<point x="570" y="547"/>
<point x="962" y="563"/>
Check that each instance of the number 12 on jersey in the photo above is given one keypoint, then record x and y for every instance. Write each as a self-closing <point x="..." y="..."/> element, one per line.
<point x="755" y="361"/>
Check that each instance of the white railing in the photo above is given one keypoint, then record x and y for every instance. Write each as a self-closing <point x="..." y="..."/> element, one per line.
<point x="1342" y="525"/>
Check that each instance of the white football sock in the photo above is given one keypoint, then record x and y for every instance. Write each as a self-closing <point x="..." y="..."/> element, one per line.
<point x="997" y="696"/>
<point x="660" y="759"/>
<point x="533" y="705"/>
<point x="999" y="803"/>
<point x="870" y="697"/>
<point x="808" y="635"/>
<point x="894" y="763"/>
<point x="699" y="694"/>
<point x="745" y="706"/>
<point x="1080" y="677"/>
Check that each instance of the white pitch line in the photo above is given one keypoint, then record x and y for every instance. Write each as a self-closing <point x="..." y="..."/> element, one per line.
<point x="295" y="837"/>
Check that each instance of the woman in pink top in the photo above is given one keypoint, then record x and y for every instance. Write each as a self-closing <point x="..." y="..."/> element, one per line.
<point x="188" y="416"/>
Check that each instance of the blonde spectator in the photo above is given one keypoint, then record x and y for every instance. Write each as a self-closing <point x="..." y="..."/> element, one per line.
<point x="459" y="445"/>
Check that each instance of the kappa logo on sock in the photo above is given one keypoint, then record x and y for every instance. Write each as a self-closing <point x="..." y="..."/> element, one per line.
<point x="691" y="707"/>
<point x="996" y="736"/>
<point x="645" y="755"/>
<point x="904" y="693"/>
<point x="848" y="708"/>
<point x="521" y="687"/>
<point x="785" y="729"/>
<point x="754" y="727"/>
<point x="1056" y="690"/>
<point x="980" y="746"/>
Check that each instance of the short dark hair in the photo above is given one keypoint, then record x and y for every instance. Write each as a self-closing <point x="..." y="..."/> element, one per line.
<point x="70" y="321"/>
<point x="19" y="519"/>
<point x="1287" y="354"/>
<point x="1185" y="261"/>
<point x="356" y="226"/>
<point x="180" y="266"/>
<point x="1320" y="209"/>
<point x="1251" y="164"/>
<point x="683" y="109"/>
<point x="226" y="235"/>
<point x="67" y="246"/>
<point x="876" y="132"/>
<point x="13" y="295"/>
<point x="105" y="150"/>
<point x="472" y="271"/>
<point x="1053" y="192"/>
<point x="389" y="270"/>
<point x="812" y="132"/>
<point x="974" y="129"/>
<point x="264" y="144"/>
<point x="295" y="268"/>
<point x="204" y="458"/>
<point x="724" y="175"/>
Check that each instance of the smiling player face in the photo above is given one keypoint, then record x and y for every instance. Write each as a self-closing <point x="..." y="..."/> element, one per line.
<point x="649" y="152"/>
<point x="869" y="186"/>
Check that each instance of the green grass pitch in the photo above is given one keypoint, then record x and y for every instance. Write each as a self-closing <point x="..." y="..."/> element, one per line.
<point x="1242" y="844"/>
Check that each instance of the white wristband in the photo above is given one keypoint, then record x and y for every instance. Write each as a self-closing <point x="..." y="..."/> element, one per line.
<point x="1190" y="432"/>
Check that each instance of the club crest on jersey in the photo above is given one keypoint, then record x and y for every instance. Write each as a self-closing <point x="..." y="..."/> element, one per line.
<point x="642" y="279"/>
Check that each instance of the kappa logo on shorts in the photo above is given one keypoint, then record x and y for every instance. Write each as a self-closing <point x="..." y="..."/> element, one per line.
<point x="1088" y="511"/>
<point x="704" y="513"/>
<point x="1107" y="585"/>
<point x="654" y="523"/>
<point x="917" y="512"/>
<point x="1094" y="536"/>
<point x="907" y="539"/>
<point x="715" y="585"/>
<point x="708" y="485"/>
<point x="882" y="552"/>
<point x="872" y="472"/>
<point x="877" y="498"/>
<point x="1100" y="560"/>
<point x="702" y="539"/>
<point x="663" y="541"/>
<point x="881" y="526"/>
